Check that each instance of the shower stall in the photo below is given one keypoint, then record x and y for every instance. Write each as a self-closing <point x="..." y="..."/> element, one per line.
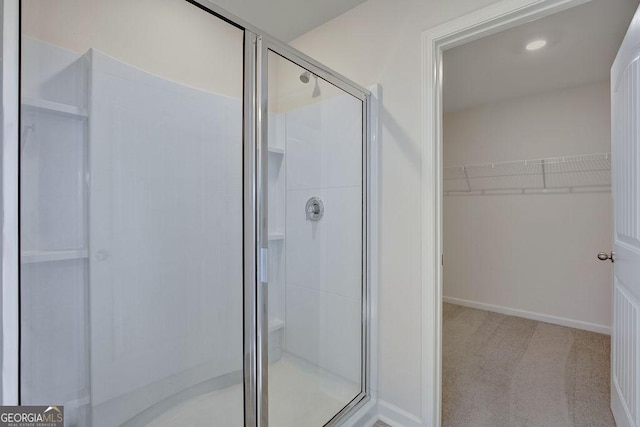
<point x="192" y="203"/>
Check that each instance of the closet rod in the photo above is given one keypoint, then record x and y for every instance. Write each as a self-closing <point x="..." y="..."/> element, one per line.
<point x="533" y="162"/>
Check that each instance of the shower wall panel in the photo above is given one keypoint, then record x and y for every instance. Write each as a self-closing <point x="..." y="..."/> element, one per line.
<point x="53" y="232"/>
<point x="165" y="205"/>
<point x="324" y="258"/>
<point x="131" y="219"/>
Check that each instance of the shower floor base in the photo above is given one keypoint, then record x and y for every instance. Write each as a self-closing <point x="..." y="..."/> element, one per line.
<point x="299" y="395"/>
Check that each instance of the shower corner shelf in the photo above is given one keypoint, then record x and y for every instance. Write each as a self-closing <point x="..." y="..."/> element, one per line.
<point x="276" y="151"/>
<point x="276" y="236"/>
<point x="275" y="324"/>
<point x="31" y="257"/>
<point x="54" y="107"/>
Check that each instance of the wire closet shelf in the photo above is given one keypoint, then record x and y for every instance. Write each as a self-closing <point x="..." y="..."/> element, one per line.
<point x="582" y="173"/>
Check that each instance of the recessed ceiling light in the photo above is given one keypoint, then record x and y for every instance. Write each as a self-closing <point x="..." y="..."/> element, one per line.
<point x="535" y="45"/>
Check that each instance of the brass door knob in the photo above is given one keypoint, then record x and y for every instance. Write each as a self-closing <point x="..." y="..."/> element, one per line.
<point x="603" y="256"/>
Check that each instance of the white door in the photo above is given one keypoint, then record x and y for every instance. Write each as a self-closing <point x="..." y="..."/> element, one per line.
<point x="625" y="123"/>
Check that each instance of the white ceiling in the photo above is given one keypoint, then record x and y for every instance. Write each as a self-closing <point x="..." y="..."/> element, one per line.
<point x="287" y="19"/>
<point x="582" y="44"/>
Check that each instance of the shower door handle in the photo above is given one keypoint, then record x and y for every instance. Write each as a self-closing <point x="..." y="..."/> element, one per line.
<point x="264" y="271"/>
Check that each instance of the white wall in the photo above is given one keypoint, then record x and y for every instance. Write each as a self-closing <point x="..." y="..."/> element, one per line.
<point x="531" y="252"/>
<point x="170" y="38"/>
<point x="552" y="124"/>
<point x="379" y="42"/>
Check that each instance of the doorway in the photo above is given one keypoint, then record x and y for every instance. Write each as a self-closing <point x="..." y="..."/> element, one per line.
<point x="485" y="178"/>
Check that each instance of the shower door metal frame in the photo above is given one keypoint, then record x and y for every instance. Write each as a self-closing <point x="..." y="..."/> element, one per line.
<point x="266" y="45"/>
<point x="255" y="364"/>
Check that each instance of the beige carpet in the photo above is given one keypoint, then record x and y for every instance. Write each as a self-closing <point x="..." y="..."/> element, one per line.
<point x="507" y="371"/>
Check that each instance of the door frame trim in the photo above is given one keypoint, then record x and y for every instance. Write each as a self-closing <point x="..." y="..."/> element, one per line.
<point x="10" y="202"/>
<point x="497" y="17"/>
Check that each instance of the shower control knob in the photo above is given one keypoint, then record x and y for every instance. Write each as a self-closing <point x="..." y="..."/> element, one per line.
<point x="314" y="209"/>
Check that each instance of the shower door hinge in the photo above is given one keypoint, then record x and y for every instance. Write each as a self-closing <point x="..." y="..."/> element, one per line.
<point x="263" y="276"/>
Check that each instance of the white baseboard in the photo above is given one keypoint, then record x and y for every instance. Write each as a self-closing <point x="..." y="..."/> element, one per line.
<point x="395" y="416"/>
<point x="571" y="323"/>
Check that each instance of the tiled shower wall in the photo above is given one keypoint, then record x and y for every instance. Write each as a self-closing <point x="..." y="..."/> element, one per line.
<point x="324" y="258"/>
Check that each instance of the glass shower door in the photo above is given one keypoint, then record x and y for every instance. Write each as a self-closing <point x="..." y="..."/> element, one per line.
<point x="131" y="213"/>
<point x="316" y="217"/>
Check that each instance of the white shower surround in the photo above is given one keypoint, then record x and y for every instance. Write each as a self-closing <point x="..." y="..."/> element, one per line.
<point x="123" y="95"/>
<point x="163" y="157"/>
